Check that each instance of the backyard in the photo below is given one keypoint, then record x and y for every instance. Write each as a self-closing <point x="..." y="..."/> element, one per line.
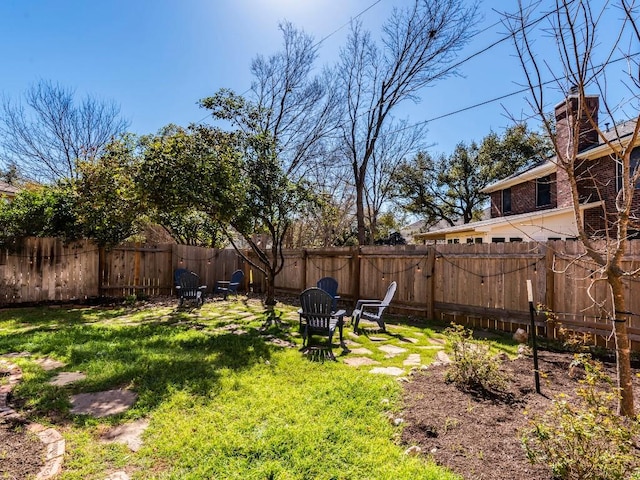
<point x="220" y="397"/>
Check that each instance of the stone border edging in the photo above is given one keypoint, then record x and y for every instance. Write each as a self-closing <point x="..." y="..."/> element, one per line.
<point x="53" y="442"/>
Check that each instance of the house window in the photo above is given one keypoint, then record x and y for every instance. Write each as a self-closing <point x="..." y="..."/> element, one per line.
<point x="478" y="240"/>
<point x="497" y="239"/>
<point x="633" y="164"/>
<point x="506" y="201"/>
<point x="469" y="240"/>
<point x="543" y="191"/>
<point x="515" y="239"/>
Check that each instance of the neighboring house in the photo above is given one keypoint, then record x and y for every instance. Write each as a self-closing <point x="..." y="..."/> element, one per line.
<point x="8" y="191"/>
<point x="536" y="204"/>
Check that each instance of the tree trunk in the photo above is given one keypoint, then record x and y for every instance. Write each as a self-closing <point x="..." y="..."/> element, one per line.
<point x="270" y="299"/>
<point x="623" y="347"/>
<point x="362" y="237"/>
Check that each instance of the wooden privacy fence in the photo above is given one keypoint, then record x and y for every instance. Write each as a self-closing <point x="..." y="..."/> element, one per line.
<point x="482" y="285"/>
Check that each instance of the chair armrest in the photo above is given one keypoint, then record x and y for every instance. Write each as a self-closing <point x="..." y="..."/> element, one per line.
<point x="363" y="303"/>
<point x="339" y="313"/>
<point x="202" y="287"/>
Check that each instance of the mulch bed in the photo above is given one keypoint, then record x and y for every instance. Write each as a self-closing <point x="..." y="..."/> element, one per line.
<point x="21" y="454"/>
<point x="479" y="437"/>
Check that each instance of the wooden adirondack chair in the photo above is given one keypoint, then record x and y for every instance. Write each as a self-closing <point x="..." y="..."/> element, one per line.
<point x="373" y="309"/>
<point x="330" y="285"/>
<point x="318" y="318"/>
<point x="189" y="288"/>
<point x="231" y="286"/>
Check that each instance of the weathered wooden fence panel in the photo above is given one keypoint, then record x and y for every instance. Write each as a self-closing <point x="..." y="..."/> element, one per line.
<point x="47" y="269"/>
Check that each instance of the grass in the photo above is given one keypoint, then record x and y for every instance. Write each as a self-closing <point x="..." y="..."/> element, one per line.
<point x="223" y="398"/>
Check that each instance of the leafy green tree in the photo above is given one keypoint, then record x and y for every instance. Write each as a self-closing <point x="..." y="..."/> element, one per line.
<point x="41" y="211"/>
<point x="109" y="208"/>
<point x="187" y="178"/>
<point x="450" y="188"/>
<point x="236" y="178"/>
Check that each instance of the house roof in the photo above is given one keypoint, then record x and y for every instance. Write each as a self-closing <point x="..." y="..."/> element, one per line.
<point x="540" y="169"/>
<point x="8" y="189"/>
<point x="621" y="132"/>
<point x="491" y="223"/>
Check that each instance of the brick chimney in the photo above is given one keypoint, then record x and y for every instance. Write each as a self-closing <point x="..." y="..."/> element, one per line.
<point x="571" y="120"/>
<point x="572" y="117"/>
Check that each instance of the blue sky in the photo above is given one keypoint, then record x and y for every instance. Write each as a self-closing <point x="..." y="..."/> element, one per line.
<point x="157" y="58"/>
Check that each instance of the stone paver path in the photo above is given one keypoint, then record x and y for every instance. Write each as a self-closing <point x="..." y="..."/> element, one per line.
<point x="66" y="378"/>
<point x="392" y="350"/>
<point x="102" y="404"/>
<point x="129" y="434"/>
<point x="360" y="361"/>
<point x="361" y="351"/>
<point x="395" y="371"/>
<point x="412" y="360"/>
<point x="49" y="363"/>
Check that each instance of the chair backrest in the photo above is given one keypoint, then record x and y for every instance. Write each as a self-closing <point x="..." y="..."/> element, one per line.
<point x="329" y="285"/>
<point x="316" y="306"/>
<point x="189" y="283"/>
<point x="177" y="273"/>
<point x="236" y="280"/>
<point x="391" y="291"/>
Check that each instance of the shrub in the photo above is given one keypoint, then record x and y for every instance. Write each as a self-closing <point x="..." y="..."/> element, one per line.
<point x="472" y="366"/>
<point x="585" y="438"/>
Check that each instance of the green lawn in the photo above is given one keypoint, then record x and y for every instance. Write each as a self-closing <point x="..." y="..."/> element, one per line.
<point x="223" y="398"/>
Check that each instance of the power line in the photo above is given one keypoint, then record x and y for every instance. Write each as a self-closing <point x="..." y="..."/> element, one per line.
<point x="501" y="97"/>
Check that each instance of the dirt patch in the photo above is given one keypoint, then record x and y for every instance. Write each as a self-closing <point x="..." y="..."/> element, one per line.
<point x="21" y="454"/>
<point x="479" y="438"/>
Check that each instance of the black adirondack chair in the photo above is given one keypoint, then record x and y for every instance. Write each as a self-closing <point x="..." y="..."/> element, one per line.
<point x="330" y="285"/>
<point x="231" y="286"/>
<point x="318" y="318"/>
<point x="190" y="289"/>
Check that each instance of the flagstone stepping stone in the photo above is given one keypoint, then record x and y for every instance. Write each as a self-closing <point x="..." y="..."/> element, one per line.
<point x="437" y="341"/>
<point x="350" y="342"/>
<point x="409" y="340"/>
<point x="442" y="357"/>
<point x="65" y="378"/>
<point x="412" y="359"/>
<point x="361" y="351"/>
<point x="49" y="364"/>
<point x="430" y="347"/>
<point x="129" y="434"/>
<point x="360" y="361"/>
<point x="394" y="371"/>
<point x="17" y="355"/>
<point x="392" y="350"/>
<point x="378" y="339"/>
<point x="102" y="404"/>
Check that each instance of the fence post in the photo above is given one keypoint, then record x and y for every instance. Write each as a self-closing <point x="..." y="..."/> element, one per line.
<point x="355" y="269"/>
<point x="102" y="261"/>
<point x="430" y="270"/>
<point x="304" y="269"/>
<point x="549" y="294"/>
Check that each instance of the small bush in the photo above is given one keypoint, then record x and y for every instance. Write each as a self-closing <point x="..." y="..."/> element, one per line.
<point x="472" y="366"/>
<point x="584" y="438"/>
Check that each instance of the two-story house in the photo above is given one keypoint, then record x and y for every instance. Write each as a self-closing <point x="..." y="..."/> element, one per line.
<point x="536" y="204"/>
